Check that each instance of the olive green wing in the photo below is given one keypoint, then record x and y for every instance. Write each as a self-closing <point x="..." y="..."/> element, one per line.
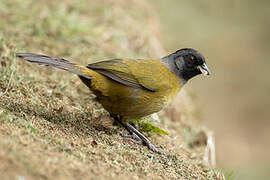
<point x="141" y="74"/>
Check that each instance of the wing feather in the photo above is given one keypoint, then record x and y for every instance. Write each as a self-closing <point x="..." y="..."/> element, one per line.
<point x="128" y="72"/>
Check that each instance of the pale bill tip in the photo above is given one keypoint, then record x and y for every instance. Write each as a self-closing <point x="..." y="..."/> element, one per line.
<point x="204" y="71"/>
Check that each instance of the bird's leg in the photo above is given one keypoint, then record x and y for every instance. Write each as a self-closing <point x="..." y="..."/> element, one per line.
<point x="141" y="136"/>
<point x="137" y="135"/>
<point x="131" y="136"/>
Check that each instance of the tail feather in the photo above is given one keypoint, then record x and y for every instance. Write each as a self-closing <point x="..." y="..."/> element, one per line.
<point x="55" y="62"/>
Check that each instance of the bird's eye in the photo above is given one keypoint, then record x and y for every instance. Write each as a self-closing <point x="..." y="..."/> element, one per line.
<point x="191" y="59"/>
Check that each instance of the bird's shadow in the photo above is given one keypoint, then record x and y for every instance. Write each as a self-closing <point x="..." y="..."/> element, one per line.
<point x="75" y="122"/>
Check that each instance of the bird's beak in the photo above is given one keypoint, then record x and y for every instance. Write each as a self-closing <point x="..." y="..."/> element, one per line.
<point x="204" y="69"/>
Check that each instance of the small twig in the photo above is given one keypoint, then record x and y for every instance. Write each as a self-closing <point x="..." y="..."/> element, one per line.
<point x="210" y="150"/>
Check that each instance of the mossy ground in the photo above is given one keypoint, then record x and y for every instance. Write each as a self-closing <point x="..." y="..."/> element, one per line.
<point x="51" y="127"/>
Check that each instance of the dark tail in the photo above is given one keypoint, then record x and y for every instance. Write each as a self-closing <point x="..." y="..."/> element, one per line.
<point x="56" y="62"/>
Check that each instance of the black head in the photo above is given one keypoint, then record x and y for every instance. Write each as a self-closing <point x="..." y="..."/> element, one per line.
<point x="186" y="63"/>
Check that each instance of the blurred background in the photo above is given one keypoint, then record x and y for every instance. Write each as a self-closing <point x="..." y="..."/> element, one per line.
<point x="234" y="36"/>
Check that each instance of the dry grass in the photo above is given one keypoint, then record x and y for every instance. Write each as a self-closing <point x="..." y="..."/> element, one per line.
<point x="51" y="127"/>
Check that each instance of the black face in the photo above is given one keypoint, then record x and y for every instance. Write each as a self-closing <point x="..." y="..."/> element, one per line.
<point x="187" y="63"/>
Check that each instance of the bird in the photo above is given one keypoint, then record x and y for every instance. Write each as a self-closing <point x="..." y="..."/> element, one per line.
<point x="133" y="88"/>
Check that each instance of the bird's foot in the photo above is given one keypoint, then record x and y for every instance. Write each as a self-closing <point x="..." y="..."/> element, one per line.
<point x="153" y="148"/>
<point x="137" y="137"/>
<point x="132" y="137"/>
